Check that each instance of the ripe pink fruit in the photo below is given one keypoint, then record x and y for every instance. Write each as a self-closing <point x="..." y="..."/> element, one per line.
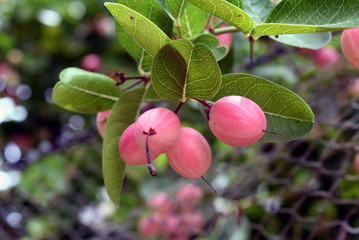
<point x="189" y="194"/>
<point x="356" y="163"/>
<point x="237" y="121"/>
<point x="91" y="62"/>
<point x="350" y="46"/>
<point x="171" y="224"/>
<point x="129" y="150"/>
<point x="160" y="202"/>
<point x="101" y="120"/>
<point x="149" y="227"/>
<point x="191" y="157"/>
<point x="326" y="57"/>
<point x="194" y="221"/>
<point x="166" y="125"/>
<point x="225" y="39"/>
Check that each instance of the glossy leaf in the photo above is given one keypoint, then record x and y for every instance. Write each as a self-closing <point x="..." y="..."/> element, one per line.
<point x="193" y="21"/>
<point x="212" y="42"/>
<point x="85" y="92"/>
<point x="228" y="12"/>
<point x="124" y="113"/>
<point x="147" y="34"/>
<point x="237" y="3"/>
<point x="306" y="16"/>
<point x="286" y="112"/>
<point x="305" y="40"/>
<point x="258" y="9"/>
<point x="183" y="70"/>
<point x="152" y="10"/>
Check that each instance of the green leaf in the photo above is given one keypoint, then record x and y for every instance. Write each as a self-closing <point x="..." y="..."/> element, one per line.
<point x="228" y="12"/>
<point x="305" y="40"/>
<point x="306" y="16"/>
<point x="237" y="3"/>
<point x="212" y="42"/>
<point x="193" y="21"/>
<point x="123" y="114"/>
<point x="152" y="96"/>
<point x="258" y="9"/>
<point x="175" y="7"/>
<point x="183" y="70"/>
<point x="133" y="48"/>
<point x="152" y="10"/>
<point x="85" y="92"/>
<point x="147" y="34"/>
<point x="286" y="112"/>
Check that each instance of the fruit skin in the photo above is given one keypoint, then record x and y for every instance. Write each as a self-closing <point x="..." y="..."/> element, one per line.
<point x="326" y="57"/>
<point x="101" y="120"/>
<point x="167" y="127"/>
<point x="160" y="202"/>
<point x="191" y="157"/>
<point x="350" y="46"/>
<point x="149" y="226"/>
<point x="189" y="194"/>
<point x="129" y="150"/>
<point x="237" y="121"/>
<point x="356" y="163"/>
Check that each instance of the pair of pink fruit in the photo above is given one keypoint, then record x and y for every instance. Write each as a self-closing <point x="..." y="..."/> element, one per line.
<point x="235" y="120"/>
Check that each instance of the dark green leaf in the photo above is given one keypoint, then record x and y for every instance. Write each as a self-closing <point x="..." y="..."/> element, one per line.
<point x="85" y="92"/>
<point x="154" y="12"/>
<point x="237" y="3"/>
<point x="212" y="42"/>
<point x="147" y="34"/>
<point x="193" y="21"/>
<point x="228" y="12"/>
<point x="306" y="16"/>
<point x="123" y="114"/>
<point x="182" y="70"/>
<point x="286" y="112"/>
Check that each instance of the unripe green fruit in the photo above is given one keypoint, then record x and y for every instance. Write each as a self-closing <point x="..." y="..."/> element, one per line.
<point x="237" y="121"/>
<point x="167" y="129"/>
<point x="191" y="157"/>
<point x="129" y="150"/>
<point x="350" y="46"/>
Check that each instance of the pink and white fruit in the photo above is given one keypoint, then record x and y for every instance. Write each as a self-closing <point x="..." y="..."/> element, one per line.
<point x="166" y="125"/>
<point x="91" y="62"/>
<point x="237" y="121"/>
<point x="101" y="120"/>
<point x="189" y="194"/>
<point x="350" y="46"/>
<point x="326" y="57"/>
<point x="129" y="150"/>
<point x="160" y="202"/>
<point x="191" y="157"/>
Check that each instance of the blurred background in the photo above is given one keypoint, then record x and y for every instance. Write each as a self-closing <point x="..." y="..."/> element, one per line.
<point x="51" y="184"/>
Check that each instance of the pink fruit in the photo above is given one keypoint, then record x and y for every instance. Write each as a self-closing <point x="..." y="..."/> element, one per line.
<point x="167" y="129"/>
<point x="237" y="121"/>
<point x="356" y="163"/>
<point x="171" y="224"/>
<point x="160" y="202"/>
<point x="194" y="221"/>
<point x="225" y="39"/>
<point x="101" y="120"/>
<point x="129" y="150"/>
<point x="350" y="46"/>
<point x="91" y="62"/>
<point x="191" y="156"/>
<point x="353" y="88"/>
<point x="149" y="227"/>
<point x="326" y="57"/>
<point x="189" y="194"/>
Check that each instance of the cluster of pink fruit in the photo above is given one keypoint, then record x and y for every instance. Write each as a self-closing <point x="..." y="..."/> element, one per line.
<point x="235" y="120"/>
<point x="174" y="219"/>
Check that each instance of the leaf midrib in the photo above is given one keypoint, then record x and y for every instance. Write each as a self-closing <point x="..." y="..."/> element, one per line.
<point x="91" y="92"/>
<point x="287" y="117"/>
